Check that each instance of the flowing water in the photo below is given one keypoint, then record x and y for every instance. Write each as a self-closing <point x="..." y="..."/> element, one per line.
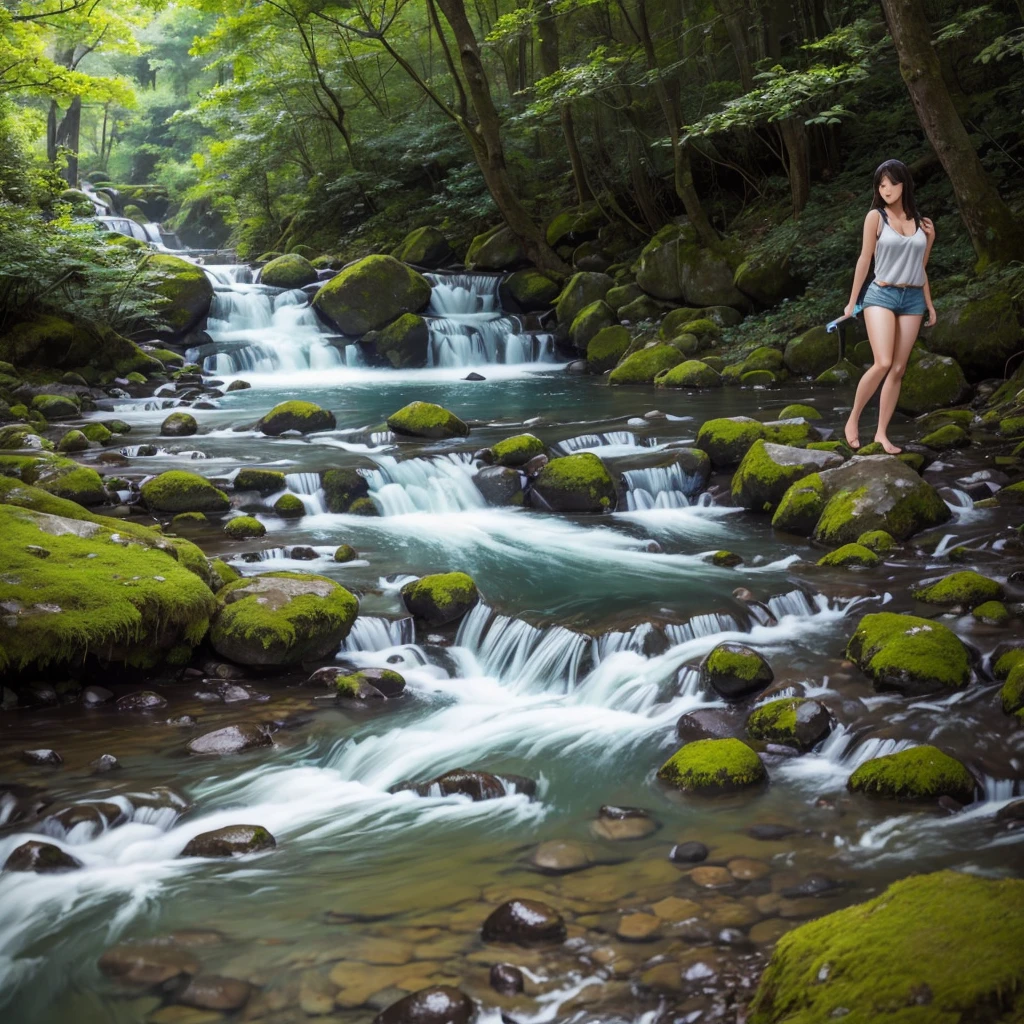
<point x="572" y="671"/>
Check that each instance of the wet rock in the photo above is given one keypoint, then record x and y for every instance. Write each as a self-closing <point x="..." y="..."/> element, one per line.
<point x="182" y="721"/>
<point x="708" y="724"/>
<point x="439" y="1004"/>
<point x="100" y="815"/>
<point x="474" y="784"/>
<point x="179" y="424"/>
<point x="316" y="994"/>
<point x="441" y="598"/>
<point x="623" y="823"/>
<point x="360" y="684"/>
<point x="95" y="695"/>
<point x="213" y="992"/>
<point x="506" y="979"/>
<point x="712" y="877"/>
<point x="691" y="852"/>
<point x="533" y="468"/>
<point x="302" y="554"/>
<point x="474" y="376"/>
<point x="769" y="832"/>
<point x="577" y="483"/>
<point x="638" y="927"/>
<point x="427" y="420"/>
<point x="812" y="885"/>
<point x="560" y="857"/>
<point x="768" y="470"/>
<point x="42" y="757"/>
<point x="735" y="671"/>
<point x="525" y="922"/>
<point x="232" y="739"/>
<point x="793" y="721"/>
<point x="673" y="908"/>
<point x="746" y="869"/>
<point x="713" y="767"/>
<point x="148" y="964"/>
<point x="304" y="417"/>
<point x="500" y="485"/>
<point x="1012" y="814"/>
<point x="917" y="774"/>
<point x="233" y="840"/>
<point x="733" y="938"/>
<point x="42" y="858"/>
<point x="142" y="700"/>
<point x="105" y="763"/>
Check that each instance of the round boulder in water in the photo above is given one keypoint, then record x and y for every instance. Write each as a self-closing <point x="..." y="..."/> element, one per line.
<point x="179" y="424"/>
<point x="305" y="417"/>
<point x="288" y="271"/>
<point x="362" y="684"/>
<point x="290" y="506"/>
<point x="343" y="488"/>
<point x="708" y="724"/>
<point x="244" y="527"/>
<point x="42" y="757"/>
<point x="713" y="767"/>
<point x="518" y="450"/>
<point x="232" y="739"/>
<point x="524" y="921"/>
<point x="181" y="491"/>
<point x="425" y="419"/>
<point x="214" y="992"/>
<point x="966" y="589"/>
<point x="574" y="483"/>
<point x="345" y="553"/>
<point x="441" y="598"/>
<point x="233" y="840"/>
<point x="404" y="343"/>
<point x="918" y="774"/>
<point x="263" y="481"/>
<point x="560" y="856"/>
<point x="42" y="858"/>
<point x="500" y="485"/>
<point x="793" y="721"/>
<point x="735" y="671"/>
<point x="281" y="618"/>
<point x="439" y="1004"/>
<point x="73" y="441"/>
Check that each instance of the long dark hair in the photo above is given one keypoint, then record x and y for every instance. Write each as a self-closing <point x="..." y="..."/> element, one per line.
<point x="898" y="173"/>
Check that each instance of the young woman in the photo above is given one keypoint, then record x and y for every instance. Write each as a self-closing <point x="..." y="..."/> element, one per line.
<point x="896" y="301"/>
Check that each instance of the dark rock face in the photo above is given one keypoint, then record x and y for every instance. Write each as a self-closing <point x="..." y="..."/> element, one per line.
<point x="212" y="992"/>
<point x="42" y="858"/>
<point x="506" y="979"/>
<point x="232" y="739"/>
<point x="148" y="964"/>
<point x="440" y="1004"/>
<point x="500" y="485"/>
<point x="525" y="922"/>
<point x="476" y="785"/>
<point x="230" y="841"/>
<point x="708" y="724"/>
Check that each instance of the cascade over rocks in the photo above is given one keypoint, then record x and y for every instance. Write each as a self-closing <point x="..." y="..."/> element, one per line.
<point x="476" y="785"/>
<point x="370" y="293"/>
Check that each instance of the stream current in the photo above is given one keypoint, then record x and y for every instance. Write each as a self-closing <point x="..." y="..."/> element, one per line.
<point x="572" y="671"/>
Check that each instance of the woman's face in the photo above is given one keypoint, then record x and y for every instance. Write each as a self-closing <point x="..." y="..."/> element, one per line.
<point x="889" y="190"/>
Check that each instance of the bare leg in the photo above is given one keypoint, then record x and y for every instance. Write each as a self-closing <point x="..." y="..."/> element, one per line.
<point x="907" y="327"/>
<point x="881" y="325"/>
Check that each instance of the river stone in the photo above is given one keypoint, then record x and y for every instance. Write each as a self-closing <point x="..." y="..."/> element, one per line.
<point x="574" y="483"/>
<point x="793" y="721"/>
<point x="425" y="419"/>
<point x="42" y="858"/>
<point x="100" y="815"/>
<point x="500" y="485"/>
<point x="230" y="841"/>
<point x="727" y="439"/>
<point x="768" y="470"/>
<point x="440" y="598"/>
<point x="141" y="700"/>
<point x="560" y="856"/>
<point x="186" y="291"/>
<point x="105" y="763"/>
<point x="177" y="490"/>
<point x="506" y="979"/>
<point x="93" y="696"/>
<point x="476" y="785"/>
<point x="638" y="927"/>
<point x="289" y="271"/>
<point x="673" y="266"/>
<point x="735" y="671"/>
<point x="439" y="1004"/>
<point x="922" y="773"/>
<point x="708" y="724"/>
<point x="691" y="852"/>
<point x="148" y="964"/>
<point x="582" y="289"/>
<point x="342" y="488"/>
<point x="42" y="757"/>
<point x="213" y="992"/>
<point x="385" y="681"/>
<point x="179" y="424"/>
<point x="712" y="876"/>
<point x="525" y="922"/>
<point x="232" y="739"/>
<point x="623" y="823"/>
<point x="369" y="293"/>
<point x="305" y="417"/>
<point x="712" y="767"/>
<point x="281" y="618"/>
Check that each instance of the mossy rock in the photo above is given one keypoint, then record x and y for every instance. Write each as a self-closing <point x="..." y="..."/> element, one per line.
<point x="1011" y="695"/>
<point x="574" y="225"/>
<point x="532" y="290"/>
<point x="426" y="247"/>
<point x="56" y="407"/>
<point x="179" y="424"/>
<point x="188" y="520"/>
<point x="440" y="598"/>
<point x="180" y="491"/>
<point x="947" y="437"/>
<point x="689" y="374"/>
<point x="79" y="484"/>
<point x="81" y="204"/>
<point x="305" y="417"/>
<point x="288" y="271"/>
<point x="713" y="767"/>
<point x="931" y="949"/>
<point x="643" y="308"/>
<point x="792" y="721"/>
<point x="878" y="541"/>
<point x="1011" y="426"/>
<point x="931" y="382"/>
<point x="363" y="507"/>
<point x="267" y="257"/>
<point x="622" y="295"/>
<point x="342" y="488"/>
<point x="497" y="249"/>
<point x="370" y="293"/>
<point x="244" y="528"/>
<point x="345" y="553"/>
<point x="908" y="654"/>
<point x="289" y="506"/>
<point x="727" y="440"/>
<point x="185" y="289"/>
<point x="122" y="595"/>
<point x="282" y="618"/>
<point x="645" y="364"/>
<point x="918" y="774"/>
<point x="1006" y="657"/>
<point x="731" y="374"/>
<point x="981" y="334"/>
<point x="424" y="419"/>
<point x="328" y="262"/>
<point x="404" y="343"/>
<point x="98" y="433"/>
<point x="705" y="329"/>
<point x="851" y="554"/>
<point x="368" y="683"/>
<point x="687" y="345"/>
<point x="839" y="375"/>
<point x="22" y="436"/>
<point x="767" y="471"/>
<point x="763" y="358"/>
<point x="673" y="266"/>
<point x="583" y="288"/>
<point x="606" y="348"/>
<point x="735" y="671"/>
<point x="173" y="360"/>
<point x="966" y="589"/>
<point x="767" y="280"/>
<point x="797" y="433"/>
<point x="263" y="481"/>
<point x="992" y="613"/>
<point x="575" y="483"/>
<point x="518" y="450"/>
<point x="73" y="441"/>
<point x="589" y="321"/>
<point x="811" y="353"/>
<point x="726" y="559"/>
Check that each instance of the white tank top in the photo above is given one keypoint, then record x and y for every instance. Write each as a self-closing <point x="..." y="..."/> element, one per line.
<point x="899" y="259"/>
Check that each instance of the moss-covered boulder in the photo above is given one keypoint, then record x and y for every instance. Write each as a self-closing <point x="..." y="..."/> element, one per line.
<point x="573" y="225"/>
<point x="992" y="613"/>
<point x="180" y="491"/>
<point x="290" y="506"/>
<point x="606" y="348"/>
<point x="932" y="382"/>
<point x="675" y="267"/>
<point x="365" y="683"/>
<point x="851" y="554"/>
<point x="728" y="439"/>
<point x="56" y="407"/>
<point x="72" y="588"/>
<point x="798" y="411"/>
<point x="916" y="774"/>
<point x="66" y="479"/>
<point x="425" y="247"/>
<point x="263" y="481"/>
<point x="840" y="375"/>
<point x="622" y="295"/>
<point x="305" y="417"/>
<point x="966" y="589"/>
<point x="645" y="364"/>
<point x="288" y="271"/>
<point x="947" y="437"/>
<point x="792" y="721"/>
<point x="589" y="321"/>
<point x="763" y="358"/>
<point x="643" y="308"/>
<point x="768" y="470"/>
<point x="878" y="541"/>
<point x="342" y="488"/>
<point x="980" y="335"/>
<point x="574" y="483"/>
<point x="532" y="290"/>
<point x="80" y="202"/>
<point x="370" y="293"/>
<point x="713" y="767"/>
<point x="691" y="373"/>
<point x="404" y="343"/>
<point x="767" y="280"/>
<point x="244" y="528"/>
<point x="497" y="249"/>
<point x="876" y="492"/>
<point x="179" y="424"/>
<point x="940" y="948"/>
<point x="424" y="419"/>
<point x="735" y="671"/>
<point x="73" y="441"/>
<point x="518" y="450"/>
<point x="98" y="433"/>
<point x="811" y="353"/>
<point x="1011" y="696"/>
<point x="580" y="291"/>
<point x="909" y="655"/>
<point x="282" y="618"/>
<point x="185" y="289"/>
<point x="440" y="598"/>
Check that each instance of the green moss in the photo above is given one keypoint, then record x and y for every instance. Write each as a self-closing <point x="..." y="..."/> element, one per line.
<point x="440" y="597"/>
<point x="713" y="766"/>
<point x="289" y="506"/>
<point x="727" y="440"/>
<point x="644" y="365"/>
<point x="518" y="450"/>
<point x="726" y="559"/>
<point x="222" y="574"/>
<point x="288" y="271"/>
<point x="878" y="541"/>
<point x="425" y="419"/>
<point x="840" y="374"/>
<point x="426" y="247"/>
<point x="188" y="519"/>
<point x="180" y="491"/>
<point x="606" y="348"/>
<point x="185" y="289"/>
<point x="167" y="357"/>
<point x="589" y="321"/>
<point x="966" y="588"/>
<point x="851" y="554"/>
<point x="941" y="948"/>
<point x="179" y="424"/>
<point x="349" y="686"/>
<point x="806" y="412"/>
<point x="1012" y="693"/>
<point x="1011" y="426"/>
<point x="73" y="441"/>
<point x="916" y="774"/>
<point x="1006" y="661"/>
<point x="797" y="435"/>
<point x="135" y="377"/>
<point x="343" y="488"/>
<point x="689" y="374"/>
<point x="80" y="484"/>
<point x="801" y="506"/>
<point x="56" y="407"/>
<point x="775" y="721"/>
<point x="578" y="482"/>
<point x="762" y="478"/>
<point x="702" y="327"/>
<point x="725" y="662"/>
<point x="909" y="654"/>
<point x="264" y="481"/>
<point x="97" y="433"/>
<point x="363" y="507"/>
<point x="305" y="417"/>
<point x="20" y="436"/>
<point x="949" y="436"/>
<point x="993" y="613"/>
<point x="345" y="553"/>
<point x="763" y="358"/>
<point x="404" y="342"/>
<point x="244" y="527"/>
<point x="757" y="378"/>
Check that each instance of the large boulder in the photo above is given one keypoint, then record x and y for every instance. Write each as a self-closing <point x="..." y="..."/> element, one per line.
<point x="185" y="289"/>
<point x="931" y="948"/>
<point x="606" y="348"/>
<point x="231" y="739"/>
<point x="424" y="419"/>
<point x="403" y="343"/>
<point x="713" y="767"/>
<point x="517" y="450"/>
<point x="917" y="774"/>
<point x="768" y="470"/>
<point x="177" y="490"/>
<point x="580" y="291"/>
<point x="689" y="374"/>
<point x="573" y="226"/>
<point x="41" y="858"/>
<point x="792" y="721"/>
<point x="370" y="293"/>
<point x="305" y="417"/>
<point x="281" y="618"/>
<point x="288" y="271"/>
<point x="932" y="382"/>
<point x="441" y="597"/>
<point x="728" y="439"/>
<point x="767" y="281"/>
<point x="496" y="249"/>
<point x="644" y="365"/>
<point x="425" y="247"/>
<point x="574" y="483"/>
<point x="674" y="267"/>
<point x="230" y="841"/>
<point x="343" y="488"/>
<point x="966" y="589"/>
<point x="980" y="335"/>
<point x="589" y="321"/>
<point x="735" y="671"/>
<point x="811" y="353"/>
<point x="531" y="289"/>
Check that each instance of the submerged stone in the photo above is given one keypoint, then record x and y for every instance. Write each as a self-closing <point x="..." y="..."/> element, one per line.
<point x="148" y="964"/>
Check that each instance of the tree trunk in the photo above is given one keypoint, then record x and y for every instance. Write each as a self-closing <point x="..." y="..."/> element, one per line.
<point x="734" y="13"/>
<point x="798" y="169"/>
<point x="995" y="234"/>
<point x="68" y="135"/>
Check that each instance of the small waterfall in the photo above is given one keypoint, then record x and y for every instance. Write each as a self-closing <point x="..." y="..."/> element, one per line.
<point x="228" y="274"/>
<point x="700" y="626"/>
<point x="306" y="487"/>
<point x="611" y="439"/>
<point x="635" y="639"/>
<point x="442" y="483"/>
<point x="462" y="294"/>
<point x="660" y="487"/>
<point x="373" y="633"/>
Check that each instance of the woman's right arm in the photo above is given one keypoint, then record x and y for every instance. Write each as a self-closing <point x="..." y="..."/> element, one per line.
<point x="867" y="250"/>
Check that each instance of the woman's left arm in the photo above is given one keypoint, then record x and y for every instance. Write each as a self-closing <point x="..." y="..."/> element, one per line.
<point x="929" y="230"/>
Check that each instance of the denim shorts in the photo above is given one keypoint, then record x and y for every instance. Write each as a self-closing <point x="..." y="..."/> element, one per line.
<point x="909" y="299"/>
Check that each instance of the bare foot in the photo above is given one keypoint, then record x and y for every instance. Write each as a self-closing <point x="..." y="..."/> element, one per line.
<point x="888" y="445"/>
<point x="854" y="441"/>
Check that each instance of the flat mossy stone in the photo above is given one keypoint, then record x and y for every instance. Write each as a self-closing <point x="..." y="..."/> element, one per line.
<point x="689" y="374"/>
<point x="878" y="541"/>
<point x="797" y="411"/>
<point x="180" y="491"/>
<point x="992" y="613"/>
<point x="288" y="271"/>
<point x="735" y="671"/>
<point x="518" y="450"/>
<point x="575" y="483"/>
<point x="967" y="589"/>
<point x="343" y="488"/>
<point x="606" y="348"/>
<point x="851" y="554"/>
<point x="908" y="654"/>
<point x="645" y="364"/>
<point x="938" y="948"/>
<point x="185" y="289"/>
<point x="425" y="419"/>
<point x="380" y="682"/>
<point x="440" y="598"/>
<point x="1011" y="696"/>
<point x="244" y="528"/>
<point x="187" y="520"/>
<point x="767" y="471"/>
<point x="426" y="247"/>
<point x="305" y="417"/>
<point x="1012" y="426"/>
<point x="290" y="506"/>
<point x="727" y="440"/>
<point x="282" y="618"/>
<point x="263" y="481"/>
<point x="179" y="424"/>
<point x="793" y="721"/>
<point x="916" y="774"/>
<point x="713" y="767"/>
<point x="944" y="438"/>
<point x="174" y="360"/>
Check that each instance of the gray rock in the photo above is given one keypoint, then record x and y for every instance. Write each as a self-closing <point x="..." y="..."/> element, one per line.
<point x="230" y="841"/>
<point x="232" y="739"/>
<point x="500" y="485"/>
<point x="42" y="757"/>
